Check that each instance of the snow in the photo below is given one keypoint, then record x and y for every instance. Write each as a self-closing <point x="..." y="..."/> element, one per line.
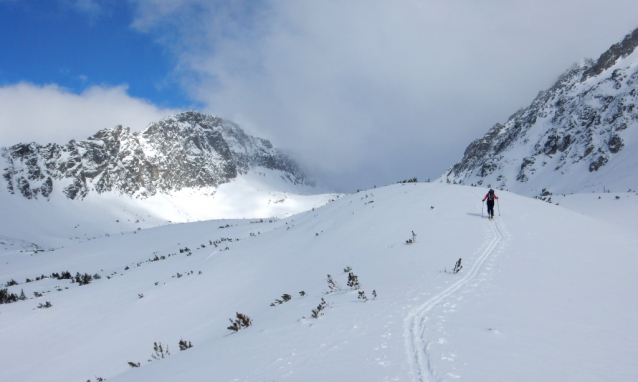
<point x="53" y="223"/>
<point x="545" y="294"/>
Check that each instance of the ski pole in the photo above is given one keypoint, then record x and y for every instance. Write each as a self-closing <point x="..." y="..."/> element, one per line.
<point x="499" y="207"/>
<point x="481" y="210"/>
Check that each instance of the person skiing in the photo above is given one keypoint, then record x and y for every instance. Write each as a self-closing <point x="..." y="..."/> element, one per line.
<point x="490" y="196"/>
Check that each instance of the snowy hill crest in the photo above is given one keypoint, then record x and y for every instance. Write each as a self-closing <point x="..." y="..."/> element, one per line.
<point x="187" y="150"/>
<point x="570" y="135"/>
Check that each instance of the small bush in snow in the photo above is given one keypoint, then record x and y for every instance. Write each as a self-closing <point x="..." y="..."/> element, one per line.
<point x="66" y="275"/>
<point x="302" y="293"/>
<point x="353" y="281"/>
<point x="133" y="364"/>
<point x="159" y="352"/>
<point x="284" y="297"/>
<point x="347" y="269"/>
<point x="12" y="282"/>
<point x="374" y="294"/>
<point x="184" y="345"/>
<point x="333" y="286"/>
<point x="457" y="267"/>
<point x="242" y="321"/>
<point x="316" y="313"/>
<point x="362" y="296"/>
<point x="45" y="305"/>
<point x="6" y="297"/>
<point x="83" y="279"/>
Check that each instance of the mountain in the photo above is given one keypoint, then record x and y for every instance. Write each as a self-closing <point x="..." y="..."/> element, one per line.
<point x="184" y="168"/>
<point x="187" y="150"/>
<point x="544" y="294"/>
<point x="580" y="135"/>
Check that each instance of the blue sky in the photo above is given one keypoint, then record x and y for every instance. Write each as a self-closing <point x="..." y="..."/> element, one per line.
<point x="359" y="92"/>
<point x="44" y="42"/>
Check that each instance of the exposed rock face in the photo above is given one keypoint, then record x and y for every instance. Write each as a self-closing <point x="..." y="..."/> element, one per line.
<point x="581" y="122"/>
<point x="187" y="150"/>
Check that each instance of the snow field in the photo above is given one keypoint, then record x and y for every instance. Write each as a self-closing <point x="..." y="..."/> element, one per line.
<point x="543" y="296"/>
<point x="53" y="223"/>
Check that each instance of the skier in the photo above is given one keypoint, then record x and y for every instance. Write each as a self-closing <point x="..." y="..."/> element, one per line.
<point x="490" y="203"/>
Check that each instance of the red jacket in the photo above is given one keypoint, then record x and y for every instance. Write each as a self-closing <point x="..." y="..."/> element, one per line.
<point x="488" y="194"/>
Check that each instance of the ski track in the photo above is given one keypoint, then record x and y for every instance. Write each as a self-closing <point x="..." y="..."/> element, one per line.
<point x="414" y="323"/>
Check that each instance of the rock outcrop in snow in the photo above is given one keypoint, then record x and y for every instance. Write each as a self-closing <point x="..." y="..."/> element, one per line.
<point x="577" y="135"/>
<point x="187" y="150"/>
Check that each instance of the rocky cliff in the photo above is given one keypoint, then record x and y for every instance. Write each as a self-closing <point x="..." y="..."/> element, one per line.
<point x="187" y="150"/>
<point x="575" y="136"/>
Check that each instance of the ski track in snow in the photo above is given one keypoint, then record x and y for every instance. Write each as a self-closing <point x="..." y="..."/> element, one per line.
<point x="414" y="323"/>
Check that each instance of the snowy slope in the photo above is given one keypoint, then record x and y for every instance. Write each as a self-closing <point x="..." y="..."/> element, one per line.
<point x="545" y="294"/>
<point x="58" y="221"/>
<point x="581" y="135"/>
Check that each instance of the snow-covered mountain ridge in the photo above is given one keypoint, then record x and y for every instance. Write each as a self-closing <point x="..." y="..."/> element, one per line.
<point x="187" y="150"/>
<point x="579" y="135"/>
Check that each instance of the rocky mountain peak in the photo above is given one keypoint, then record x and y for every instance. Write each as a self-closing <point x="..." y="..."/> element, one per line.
<point x="606" y="60"/>
<point x="569" y="136"/>
<point x="187" y="150"/>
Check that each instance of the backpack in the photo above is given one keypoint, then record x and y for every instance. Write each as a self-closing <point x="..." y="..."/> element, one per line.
<point x="490" y="195"/>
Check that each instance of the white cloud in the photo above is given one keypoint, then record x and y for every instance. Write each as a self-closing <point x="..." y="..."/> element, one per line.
<point x="52" y="114"/>
<point x="375" y="90"/>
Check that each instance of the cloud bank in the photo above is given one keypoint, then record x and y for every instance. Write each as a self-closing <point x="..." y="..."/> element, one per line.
<point x="52" y="114"/>
<point x="371" y="92"/>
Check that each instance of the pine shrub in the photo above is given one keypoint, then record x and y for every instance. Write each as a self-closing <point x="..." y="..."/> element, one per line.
<point x="333" y="286"/>
<point x="457" y="267"/>
<point x="159" y="351"/>
<point x="318" y="312"/>
<point x="353" y="281"/>
<point x="6" y="297"/>
<point x="242" y="321"/>
<point x="184" y="345"/>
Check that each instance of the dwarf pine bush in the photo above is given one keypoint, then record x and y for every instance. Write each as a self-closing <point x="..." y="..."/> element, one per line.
<point x="184" y="345"/>
<point x="353" y="281"/>
<point x="457" y="267"/>
<point x="159" y="352"/>
<point x="242" y="321"/>
<point x="6" y="297"/>
<point x="318" y="312"/>
<point x="333" y="286"/>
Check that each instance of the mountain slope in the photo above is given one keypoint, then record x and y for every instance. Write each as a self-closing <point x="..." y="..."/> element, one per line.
<point x="579" y="135"/>
<point x="542" y="296"/>
<point x="187" y="150"/>
<point x="55" y="222"/>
